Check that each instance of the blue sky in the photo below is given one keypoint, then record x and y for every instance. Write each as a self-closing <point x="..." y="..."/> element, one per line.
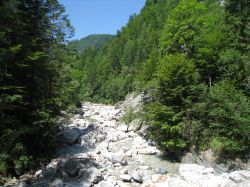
<point x="100" y="16"/>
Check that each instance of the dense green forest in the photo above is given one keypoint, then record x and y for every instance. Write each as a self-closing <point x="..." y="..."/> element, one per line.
<point x="35" y="78"/>
<point x="192" y="58"/>
<point x="91" y="41"/>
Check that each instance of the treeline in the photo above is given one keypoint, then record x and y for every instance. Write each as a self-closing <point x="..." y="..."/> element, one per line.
<point x="35" y="79"/>
<point x="91" y="41"/>
<point x="193" y="58"/>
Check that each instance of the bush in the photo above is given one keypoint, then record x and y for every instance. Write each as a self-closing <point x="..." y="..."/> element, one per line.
<point x="22" y="163"/>
<point x="166" y="128"/>
<point x="175" y="77"/>
<point x="129" y="116"/>
<point x="224" y="114"/>
<point x="4" y="166"/>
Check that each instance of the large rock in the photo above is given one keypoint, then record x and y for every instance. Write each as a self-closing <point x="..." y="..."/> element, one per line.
<point x="197" y="175"/>
<point x="50" y="172"/>
<point x="27" y="178"/>
<point x="20" y="184"/>
<point x="105" y="184"/>
<point x="158" y="178"/>
<point x="188" y="158"/>
<point x="57" y="183"/>
<point x="208" y="171"/>
<point x="122" y="184"/>
<point x="70" y="166"/>
<point x="94" y="175"/>
<point x="71" y="150"/>
<point x="145" y="131"/>
<point x="178" y="182"/>
<point x="72" y="135"/>
<point x="79" y="111"/>
<point x="111" y="137"/>
<point x="78" y="116"/>
<point x="129" y="153"/>
<point x="125" y="178"/>
<point x="89" y="140"/>
<point x="120" y="135"/>
<point x="137" y="177"/>
<point x="161" y="171"/>
<point x="138" y="142"/>
<point x="135" y="125"/>
<point x="147" y="151"/>
<point x="118" y="158"/>
<point x="132" y="101"/>
<point x="123" y="128"/>
<point x="190" y="168"/>
<point x="240" y="176"/>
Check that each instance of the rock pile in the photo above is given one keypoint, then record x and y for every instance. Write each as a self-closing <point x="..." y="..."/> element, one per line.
<point x="101" y="151"/>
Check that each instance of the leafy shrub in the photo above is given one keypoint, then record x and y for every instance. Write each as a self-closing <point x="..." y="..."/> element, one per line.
<point x="166" y="127"/>
<point x="23" y="163"/>
<point x="224" y="113"/>
<point x="129" y="116"/>
<point x="4" y="166"/>
<point x="174" y="92"/>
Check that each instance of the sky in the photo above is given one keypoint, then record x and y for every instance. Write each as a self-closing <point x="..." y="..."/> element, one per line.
<point x="100" y="16"/>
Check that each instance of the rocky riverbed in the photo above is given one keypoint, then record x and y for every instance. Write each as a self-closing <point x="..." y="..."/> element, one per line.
<point x="99" y="150"/>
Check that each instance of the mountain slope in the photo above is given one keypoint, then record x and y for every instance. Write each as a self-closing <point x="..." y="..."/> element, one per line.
<point x="191" y="56"/>
<point x="95" y="41"/>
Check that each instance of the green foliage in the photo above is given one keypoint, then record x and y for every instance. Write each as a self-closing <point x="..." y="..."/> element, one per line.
<point x="175" y="77"/>
<point x="235" y="66"/>
<point x="4" y="160"/>
<point x="22" y="163"/>
<point x="224" y="113"/>
<point x="32" y="78"/>
<point x="185" y="23"/>
<point x="192" y="57"/>
<point x="166" y="128"/>
<point x="129" y="115"/>
<point x="91" y="41"/>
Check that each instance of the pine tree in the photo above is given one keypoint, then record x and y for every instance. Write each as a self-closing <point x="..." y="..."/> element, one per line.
<point x="29" y="55"/>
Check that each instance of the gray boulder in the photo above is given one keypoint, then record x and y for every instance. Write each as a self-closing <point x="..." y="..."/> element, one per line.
<point x="72" y="135"/>
<point x="105" y="184"/>
<point x="70" y="166"/>
<point x="240" y="176"/>
<point x="123" y="128"/>
<point x="144" y="131"/>
<point x="147" y="151"/>
<point x="118" y="158"/>
<point x="161" y="171"/>
<point x="125" y="178"/>
<point x="57" y="183"/>
<point x="27" y="178"/>
<point x="89" y="140"/>
<point x="48" y="174"/>
<point x="137" y="177"/>
<point x="94" y="175"/>
<point x="78" y="116"/>
<point x="79" y="111"/>
<point x="20" y="184"/>
<point x="135" y="125"/>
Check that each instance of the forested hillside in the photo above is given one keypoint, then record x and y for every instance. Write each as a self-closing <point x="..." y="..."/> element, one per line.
<point x="192" y="57"/>
<point x="91" y="41"/>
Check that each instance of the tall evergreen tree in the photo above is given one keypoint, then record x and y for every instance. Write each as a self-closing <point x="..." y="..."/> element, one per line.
<point x="28" y="62"/>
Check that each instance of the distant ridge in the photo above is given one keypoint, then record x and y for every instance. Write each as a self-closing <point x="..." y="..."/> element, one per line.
<point x="94" y="40"/>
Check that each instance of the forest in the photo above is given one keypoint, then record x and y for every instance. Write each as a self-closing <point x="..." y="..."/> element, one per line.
<point x="192" y="57"/>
